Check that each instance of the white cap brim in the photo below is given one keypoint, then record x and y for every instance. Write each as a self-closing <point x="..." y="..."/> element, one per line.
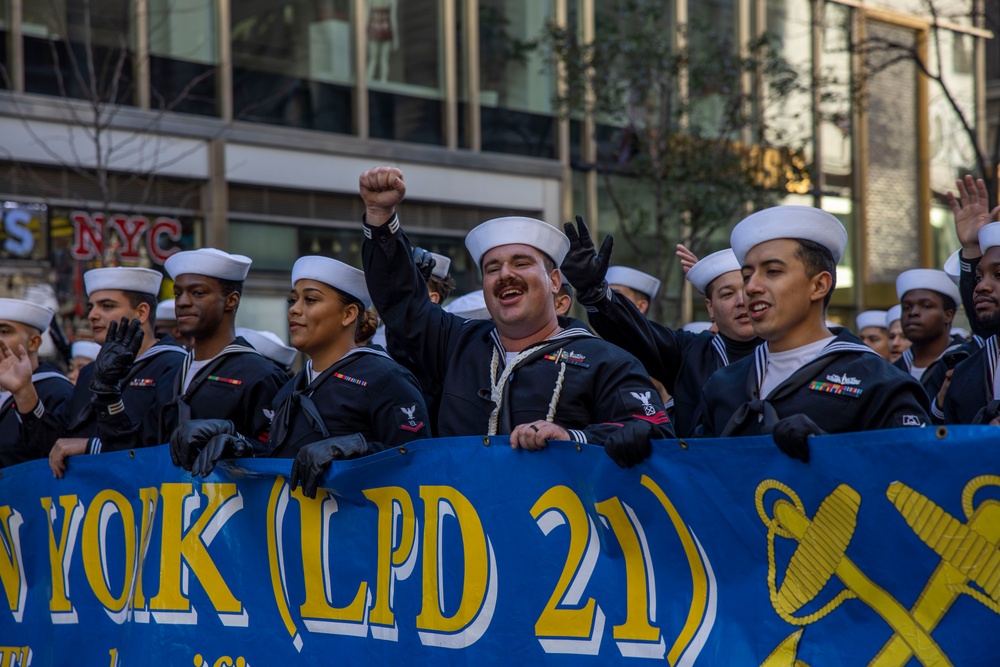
<point x="709" y="268"/>
<point x="441" y="265"/>
<point x="26" y="312"/>
<point x="952" y="267"/>
<point x="894" y="314"/>
<point x="133" y="279"/>
<point x="209" y="262"/>
<point x="87" y="349"/>
<point x="789" y="222"/>
<point x="516" y="230"/>
<point x="471" y="306"/>
<point x="871" y="318"/>
<point x="929" y="279"/>
<point x="269" y="345"/>
<point x="634" y="279"/>
<point x="334" y="273"/>
<point x="165" y="310"/>
<point x="697" y="327"/>
<point x="989" y="237"/>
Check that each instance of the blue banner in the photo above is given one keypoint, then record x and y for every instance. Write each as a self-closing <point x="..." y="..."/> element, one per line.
<point x="881" y="551"/>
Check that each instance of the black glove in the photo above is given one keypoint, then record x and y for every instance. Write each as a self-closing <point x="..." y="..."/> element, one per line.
<point x="192" y="436"/>
<point x="115" y="359"/>
<point x="584" y="267"/>
<point x="222" y="446"/>
<point x="425" y="262"/>
<point x="312" y="460"/>
<point x="791" y="435"/>
<point x="631" y="444"/>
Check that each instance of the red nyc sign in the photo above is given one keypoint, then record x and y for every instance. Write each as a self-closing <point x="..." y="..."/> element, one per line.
<point x="92" y="231"/>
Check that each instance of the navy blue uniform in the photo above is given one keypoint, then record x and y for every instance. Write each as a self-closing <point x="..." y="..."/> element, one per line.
<point x="54" y="390"/>
<point x="847" y="387"/>
<point x="969" y="399"/>
<point x="365" y="392"/>
<point x="683" y="361"/>
<point x="934" y="375"/>
<point x="589" y="386"/>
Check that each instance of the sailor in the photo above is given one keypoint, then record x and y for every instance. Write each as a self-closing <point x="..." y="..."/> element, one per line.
<point x="115" y="393"/>
<point x="28" y="387"/>
<point x="83" y="352"/>
<point x="223" y="376"/>
<point x="166" y="321"/>
<point x="349" y="401"/>
<point x="803" y="380"/>
<point x="681" y="360"/>
<point x="873" y="332"/>
<point x="929" y="300"/>
<point x="520" y="374"/>
<point x="898" y="342"/>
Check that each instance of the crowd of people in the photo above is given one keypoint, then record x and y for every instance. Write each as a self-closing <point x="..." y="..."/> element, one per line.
<point x="508" y="361"/>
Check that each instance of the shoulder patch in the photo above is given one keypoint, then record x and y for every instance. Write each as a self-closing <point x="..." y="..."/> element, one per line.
<point x="409" y="418"/>
<point x="644" y="403"/>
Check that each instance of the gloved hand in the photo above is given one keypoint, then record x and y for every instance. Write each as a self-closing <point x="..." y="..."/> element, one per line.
<point x="791" y="435"/>
<point x="425" y="262"/>
<point x="631" y="444"/>
<point x="115" y="359"/>
<point x="192" y="436"/>
<point x="584" y="267"/>
<point x="222" y="446"/>
<point x="312" y="460"/>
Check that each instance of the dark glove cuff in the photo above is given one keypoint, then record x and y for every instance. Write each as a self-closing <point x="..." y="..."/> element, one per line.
<point x="105" y="394"/>
<point x="594" y="296"/>
<point x="242" y="449"/>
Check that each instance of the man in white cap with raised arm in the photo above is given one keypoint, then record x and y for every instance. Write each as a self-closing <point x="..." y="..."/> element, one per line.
<point x="803" y="380"/>
<point x="873" y="331"/>
<point x="223" y="377"/>
<point x="638" y="287"/>
<point x="28" y="387"/>
<point x="683" y="361"/>
<point x="115" y="392"/>
<point x="521" y="375"/>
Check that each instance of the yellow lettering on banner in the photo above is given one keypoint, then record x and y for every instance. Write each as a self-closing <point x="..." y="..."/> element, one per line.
<point x="61" y="554"/>
<point x="95" y="557"/>
<point x="11" y="562"/>
<point x="639" y="592"/>
<point x="15" y="656"/>
<point x="317" y="612"/>
<point x="170" y="604"/>
<point x="276" y="505"/>
<point x="148" y="498"/>
<point x="394" y="507"/>
<point x="479" y="583"/>
<point x="566" y="626"/>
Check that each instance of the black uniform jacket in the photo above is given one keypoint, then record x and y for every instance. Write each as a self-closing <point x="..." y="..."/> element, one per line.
<point x="970" y="394"/>
<point x="54" y="391"/>
<point x="934" y="376"/>
<point x="683" y="361"/>
<point x="239" y="385"/>
<point x="847" y="387"/>
<point x="365" y="392"/>
<point x="590" y="385"/>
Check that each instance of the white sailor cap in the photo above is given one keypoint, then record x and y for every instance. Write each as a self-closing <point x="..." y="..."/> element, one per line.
<point x="871" y="318"/>
<point x="930" y="279"/>
<point x="709" y="268"/>
<point x="26" y="312"/>
<point x="989" y="236"/>
<point x="210" y="262"/>
<point x="789" y="222"/>
<point x="268" y="344"/>
<point x="952" y="267"/>
<point x="165" y="310"/>
<point x="960" y="332"/>
<point x="637" y="280"/>
<point x="527" y="231"/>
<point x="441" y="265"/>
<point x="131" y="278"/>
<point x="471" y="306"/>
<point x="697" y="327"/>
<point x="87" y="349"/>
<point x="894" y="314"/>
<point x="334" y="273"/>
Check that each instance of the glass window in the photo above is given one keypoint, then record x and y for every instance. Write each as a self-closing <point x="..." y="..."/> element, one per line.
<point x="403" y="66"/>
<point x="788" y="112"/>
<point x="293" y="63"/>
<point x="712" y="30"/>
<point x="515" y="86"/>
<point x="271" y="247"/>
<point x="4" y="56"/>
<point x="79" y="48"/>
<point x="835" y="104"/>
<point x="183" y="56"/>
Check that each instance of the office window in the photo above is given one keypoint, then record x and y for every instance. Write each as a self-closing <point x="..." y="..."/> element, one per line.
<point x="183" y="56"/>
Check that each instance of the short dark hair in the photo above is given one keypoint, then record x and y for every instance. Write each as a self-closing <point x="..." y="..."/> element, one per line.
<point x="949" y="303"/>
<point x="230" y="286"/>
<point x="566" y="289"/>
<point x="443" y="287"/>
<point x="548" y="262"/>
<point x="817" y="259"/>
<point x="135" y="298"/>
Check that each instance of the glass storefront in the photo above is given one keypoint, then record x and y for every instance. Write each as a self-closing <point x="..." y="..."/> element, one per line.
<point x="183" y="56"/>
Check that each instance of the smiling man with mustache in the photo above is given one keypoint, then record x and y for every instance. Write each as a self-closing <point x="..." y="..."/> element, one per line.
<point x="520" y="374"/>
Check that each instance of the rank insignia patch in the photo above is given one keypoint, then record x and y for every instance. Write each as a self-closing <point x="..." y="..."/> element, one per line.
<point x="641" y="405"/>
<point x="836" y="388"/>
<point x="408" y="418"/>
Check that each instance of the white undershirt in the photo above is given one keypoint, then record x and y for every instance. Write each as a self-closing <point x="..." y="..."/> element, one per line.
<point x="918" y="372"/>
<point x="781" y="365"/>
<point x="313" y="374"/>
<point x="193" y="371"/>
<point x="510" y="357"/>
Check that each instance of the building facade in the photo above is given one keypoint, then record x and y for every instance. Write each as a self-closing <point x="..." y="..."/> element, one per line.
<point x="133" y="128"/>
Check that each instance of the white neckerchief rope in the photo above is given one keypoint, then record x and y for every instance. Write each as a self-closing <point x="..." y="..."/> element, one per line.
<point x="993" y="357"/>
<point x="496" y="394"/>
